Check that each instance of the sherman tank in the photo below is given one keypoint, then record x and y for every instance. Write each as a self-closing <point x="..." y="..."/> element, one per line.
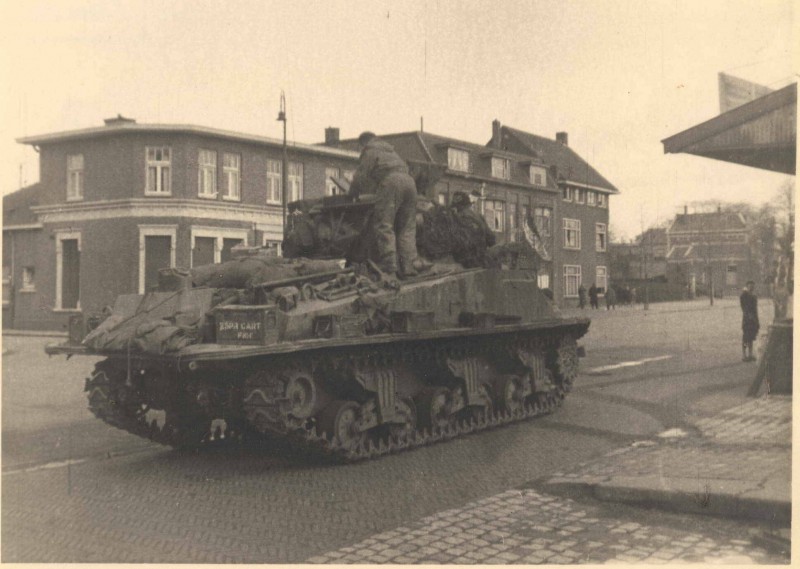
<point x="321" y="350"/>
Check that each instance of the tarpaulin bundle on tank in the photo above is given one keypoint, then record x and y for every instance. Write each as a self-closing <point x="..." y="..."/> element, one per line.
<point x="444" y="232"/>
<point x="248" y="271"/>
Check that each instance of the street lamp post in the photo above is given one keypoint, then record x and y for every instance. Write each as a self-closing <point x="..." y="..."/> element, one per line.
<point x="284" y="188"/>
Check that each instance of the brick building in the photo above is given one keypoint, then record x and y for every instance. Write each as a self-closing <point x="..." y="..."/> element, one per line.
<point x="580" y="229"/>
<point x="645" y="258"/>
<point x="706" y="248"/>
<point x="116" y="203"/>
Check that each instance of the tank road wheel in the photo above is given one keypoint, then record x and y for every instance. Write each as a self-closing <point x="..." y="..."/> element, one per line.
<point x="301" y="395"/>
<point x="509" y="394"/>
<point x="567" y="361"/>
<point x="407" y="411"/>
<point x="340" y="421"/>
<point x="433" y="409"/>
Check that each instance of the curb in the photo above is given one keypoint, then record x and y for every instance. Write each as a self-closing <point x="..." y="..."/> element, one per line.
<point x="713" y="504"/>
<point x="35" y="333"/>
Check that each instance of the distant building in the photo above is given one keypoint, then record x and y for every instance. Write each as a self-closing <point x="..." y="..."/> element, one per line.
<point x="116" y="203"/>
<point x="581" y="217"/>
<point x="706" y="248"/>
<point x="645" y="258"/>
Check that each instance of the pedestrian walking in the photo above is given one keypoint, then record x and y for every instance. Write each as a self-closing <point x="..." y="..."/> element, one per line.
<point x="594" y="292"/>
<point x="749" y="303"/>
<point x="611" y="298"/>
<point x="582" y="296"/>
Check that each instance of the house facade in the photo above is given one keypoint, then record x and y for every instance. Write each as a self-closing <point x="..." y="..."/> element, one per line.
<point x="116" y="203"/>
<point x="645" y="258"/>
<point x="581" y="214"/>
<point x="706" y="249"/>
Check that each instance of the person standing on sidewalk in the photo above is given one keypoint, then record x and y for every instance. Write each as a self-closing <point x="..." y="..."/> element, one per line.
<point x="749" y="303"/>
<point x="581" y="296"/>
<point x="611" y="298"/>
<point x="593" y="294"/>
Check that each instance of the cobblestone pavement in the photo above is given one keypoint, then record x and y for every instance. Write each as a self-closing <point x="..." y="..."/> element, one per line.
<point x="528" y="527"/>
<point x="763" y="421"/>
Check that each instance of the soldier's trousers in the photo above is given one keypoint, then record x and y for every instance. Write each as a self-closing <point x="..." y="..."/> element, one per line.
<point x="395" y="222"/>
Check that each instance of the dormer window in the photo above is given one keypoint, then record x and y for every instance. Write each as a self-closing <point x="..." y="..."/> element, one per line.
<point x="458" y="159"/>
<point x="538" y="176"/>
<point x="501" y="168"/>
<point x="75" y="177"/>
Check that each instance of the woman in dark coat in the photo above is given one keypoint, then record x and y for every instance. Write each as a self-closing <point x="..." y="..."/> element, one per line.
<point x="749" y="302"/>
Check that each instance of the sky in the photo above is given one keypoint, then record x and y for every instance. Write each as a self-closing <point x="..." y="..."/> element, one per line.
<point x="619" y="76"/>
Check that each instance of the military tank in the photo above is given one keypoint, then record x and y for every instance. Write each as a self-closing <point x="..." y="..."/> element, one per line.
<point x="321" y="350"/>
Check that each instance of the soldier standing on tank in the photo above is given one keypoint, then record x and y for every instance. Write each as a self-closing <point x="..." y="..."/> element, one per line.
<point x="382" y="172"/>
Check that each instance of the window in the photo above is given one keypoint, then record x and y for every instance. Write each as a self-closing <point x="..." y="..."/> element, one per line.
<point x="572" y="280"/>
<point x="542" y="219"/>
<point x="501" y="168"/>
<point x="543" y="280"/>
<point x="579" y="195"/>
<point x="295" y="181"/>
<point x="567" y="193"/>
<point x="458" y="159"/>
<point x="231" y="170"/>
<point x="348" y="175"/>
<point x="442" y="199"/>
<point x="494" y="212"/>
<point x="274" y="181"/>
<point x="158" y="171"/>
<point x="207" y="175"/>
<point x="28" y="282"/>
<point x="572" y="233"/>
<point x="214" y="244"/>
<point x="272" y="246"/>
<point x="601" y="200"/>
<point x="331" y="189"/>
<point x="591" y="198"/>
<point x="68" y="271"/>
<point x="538" y="176"/>
<point x="156" y="252"/>
<point x="75" y="177"/>
<point x="601" y="237"/>
<point x="601" y="279"/>
<point x="730" y="275"/>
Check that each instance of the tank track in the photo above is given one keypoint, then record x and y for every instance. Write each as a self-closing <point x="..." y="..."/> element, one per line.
<point x="112" y="400"/>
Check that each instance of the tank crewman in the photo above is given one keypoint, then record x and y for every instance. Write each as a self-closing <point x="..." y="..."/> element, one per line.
<point x="382" y="172"/>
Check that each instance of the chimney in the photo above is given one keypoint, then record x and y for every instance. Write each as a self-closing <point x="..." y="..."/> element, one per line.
<point x="331" y="136"/>
<point x="496" y="137"/>
<point x="119" y="120"/>
<point x="563" y="138"/>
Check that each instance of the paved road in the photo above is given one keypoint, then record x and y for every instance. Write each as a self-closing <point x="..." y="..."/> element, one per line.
<point x="123" y="499"/>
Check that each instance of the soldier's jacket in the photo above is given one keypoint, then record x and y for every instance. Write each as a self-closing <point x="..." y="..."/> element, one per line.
<point x="378" y="160"/>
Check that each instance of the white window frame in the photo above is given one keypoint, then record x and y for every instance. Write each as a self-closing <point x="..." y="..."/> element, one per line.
<point x="232" y="174"/>
<point x="543" y="280"/>
<point x="501" y="168"/>
<point x="572" y="225"/>
<point x="572" y="272"/>
<point x="538" y="171"/>
<point x="294" y="181"/>
<point x="457" y="160"/>
<point x="170" y="231"/>
<point x="591" y="198"/>
<point x="498" y="211"/>
<point x="219" y="234"/>
<point x="60" y="237"/>
<point x="206" y="173"/>
<point x="159" y="165"/>
<point x="580" y="195"/>
<point x="331" y="189"/>
<point x="266" y="238"/>
<point x="601" y="229"/>
<point x="567" y="194"/>
<point x="348" y="175"/>
<point x="602" y="200"/>
<point x="601" y="276"/>
<point x="274" y="181"/>
<point x="75" y="177"/>
<point x="28" y="279"/>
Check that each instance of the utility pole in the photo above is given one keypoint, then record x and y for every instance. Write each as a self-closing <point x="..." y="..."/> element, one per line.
<point x="284" y="165"/>
<point x="644" y="259"/>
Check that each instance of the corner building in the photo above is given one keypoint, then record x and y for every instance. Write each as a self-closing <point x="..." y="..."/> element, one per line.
<point x="116" y="203"/>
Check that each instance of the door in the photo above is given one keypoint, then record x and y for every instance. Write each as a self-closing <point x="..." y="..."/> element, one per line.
<point x="70" y="273"/>
<point x="203" y="252"/>
<point x="157" y="255"/>
<point x="227" y="245"/>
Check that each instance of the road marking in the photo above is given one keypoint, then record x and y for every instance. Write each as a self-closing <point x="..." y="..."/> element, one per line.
<point x="49" y="465"/>
<point x="628" y="364"/>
